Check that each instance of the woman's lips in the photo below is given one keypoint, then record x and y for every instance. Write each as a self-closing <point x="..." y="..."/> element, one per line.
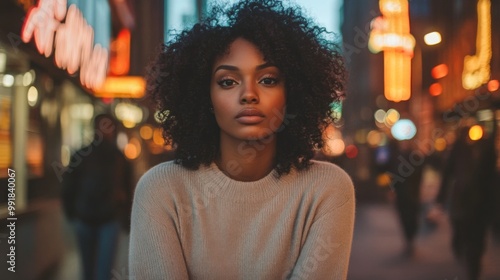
<point x="250" y="116"/>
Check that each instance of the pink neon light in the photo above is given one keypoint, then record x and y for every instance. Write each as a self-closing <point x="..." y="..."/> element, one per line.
<point x="73" y="42"/>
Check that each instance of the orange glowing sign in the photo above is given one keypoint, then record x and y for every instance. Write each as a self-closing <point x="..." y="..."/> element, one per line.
<point x="119" y="62"/>
<point x="72" y="40"/>
<point x="477" y="67"/>
<point x="391" y="34"/>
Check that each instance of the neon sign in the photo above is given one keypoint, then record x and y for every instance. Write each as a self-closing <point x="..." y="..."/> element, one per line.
<point x="391" y="34"/>
<point x="72" y="40"/>
<point x="477" y="67"/>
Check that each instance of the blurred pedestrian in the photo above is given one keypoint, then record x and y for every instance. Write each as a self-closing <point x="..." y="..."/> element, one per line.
<point x="97" y="199"/>
<point x="467" y="190"/>
<point x="245" y="96"/>
<point x="406" y="182"/>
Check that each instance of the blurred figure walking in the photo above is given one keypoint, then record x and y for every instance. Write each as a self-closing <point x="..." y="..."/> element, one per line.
<point x="97" y="195"/>
<point x="407" y="188"/>
<point x="468" y="187"/>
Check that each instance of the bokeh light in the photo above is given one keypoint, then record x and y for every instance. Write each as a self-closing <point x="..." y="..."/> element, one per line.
<point x="146" y="132"/>
<point x="439" y="71"/>
<point x="374" y="138"/>
<point x="493" y="85"/>
<point x="435" y="89"/>
<point x="32" y="96"/>
<point x="351" y="151"/>
<point x="440" y="144"/>
<point x="391" y="117"/>
<point x="379" y="116"/>
<point x="158" y="137"/>
<point x="404" y="129"/>
<point x="383" y="180"/>
<point x="334" y="147"/>
<point x="432" y="38"/>
<point x="475" y="132"/>
<point x="133" y="149"/>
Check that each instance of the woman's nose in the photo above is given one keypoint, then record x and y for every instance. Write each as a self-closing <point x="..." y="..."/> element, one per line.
<point x="249" y="94"/>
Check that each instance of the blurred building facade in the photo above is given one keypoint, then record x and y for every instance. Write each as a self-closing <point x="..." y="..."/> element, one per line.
<point x="439" y="103"/>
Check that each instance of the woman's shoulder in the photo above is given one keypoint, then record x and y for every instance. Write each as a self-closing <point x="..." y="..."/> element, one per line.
<point x="331" y="180"/>
<point x="163" y="170"/>
<point x="160" y="177"/>
<point x="329" y="172"/>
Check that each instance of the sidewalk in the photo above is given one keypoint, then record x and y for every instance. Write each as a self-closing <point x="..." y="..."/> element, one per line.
<point x="378" y="244"/>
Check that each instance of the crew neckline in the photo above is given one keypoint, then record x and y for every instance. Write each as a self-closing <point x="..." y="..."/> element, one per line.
<point x="219" y="184"/>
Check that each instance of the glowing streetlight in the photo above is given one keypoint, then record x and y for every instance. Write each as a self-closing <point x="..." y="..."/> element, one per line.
<point x="432" y="38"/>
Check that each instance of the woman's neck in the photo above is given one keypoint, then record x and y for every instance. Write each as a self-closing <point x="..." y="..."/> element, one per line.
<point x="246" y="160"/>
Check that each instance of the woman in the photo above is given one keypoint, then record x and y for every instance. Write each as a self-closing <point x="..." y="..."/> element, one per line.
<point x="244" y="96"/>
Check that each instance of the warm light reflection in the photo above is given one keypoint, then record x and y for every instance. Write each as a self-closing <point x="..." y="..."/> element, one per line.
<point x="34" y="153"/>
<point x="133" y="149"/>
<point x="439" y="71"/>
<point x="432" y="38"/>
<point x="351" y="151"/>
<point x="435" y="89"/>
<point x="391" y="117"/>
<point x="146" y="132"/>
<point x="130" y="115"/>
<point x="32" y="96"/>
<point x="5" y="136"/>
<point x="440" y="144"/>
<point x="383" y="180"/>
<point x="374" y="138"/>
<point x="477" y="67"/>
<point x="475" y="132"/>
<point x="334" y="145"/>
<point x="158" y="137"/>
<point x="493" y="85"/>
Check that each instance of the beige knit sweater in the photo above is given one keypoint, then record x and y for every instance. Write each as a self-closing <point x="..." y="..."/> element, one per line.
<point x="204" y="225"/>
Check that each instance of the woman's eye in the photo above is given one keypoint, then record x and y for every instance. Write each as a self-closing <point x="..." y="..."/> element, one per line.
<point x="269" y="81"/>
<point x="225" y="83"/>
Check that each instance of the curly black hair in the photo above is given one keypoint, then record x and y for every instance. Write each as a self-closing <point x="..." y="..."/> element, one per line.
<point x="179" y="79"/>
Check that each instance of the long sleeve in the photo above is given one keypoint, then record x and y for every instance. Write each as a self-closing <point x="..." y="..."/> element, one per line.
<point x="155" y="248"/>
<point x="326" y="251"/>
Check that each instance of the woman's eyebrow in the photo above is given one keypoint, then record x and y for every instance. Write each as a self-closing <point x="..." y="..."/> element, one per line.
<point x="226" y="67"/>
<point x="234" y="68"/>
<point x="265" y="65"/>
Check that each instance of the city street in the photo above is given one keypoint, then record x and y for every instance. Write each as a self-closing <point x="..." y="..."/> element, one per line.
<point x="378" y="245"/>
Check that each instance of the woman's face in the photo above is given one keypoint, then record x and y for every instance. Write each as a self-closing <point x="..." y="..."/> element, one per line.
<point x="247" y="93"/>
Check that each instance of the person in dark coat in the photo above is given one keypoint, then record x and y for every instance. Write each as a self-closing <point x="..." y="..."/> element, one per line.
<point x="407" y="188"/>
<point x="97" y="196"/>
<point x="467" y="185"/>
